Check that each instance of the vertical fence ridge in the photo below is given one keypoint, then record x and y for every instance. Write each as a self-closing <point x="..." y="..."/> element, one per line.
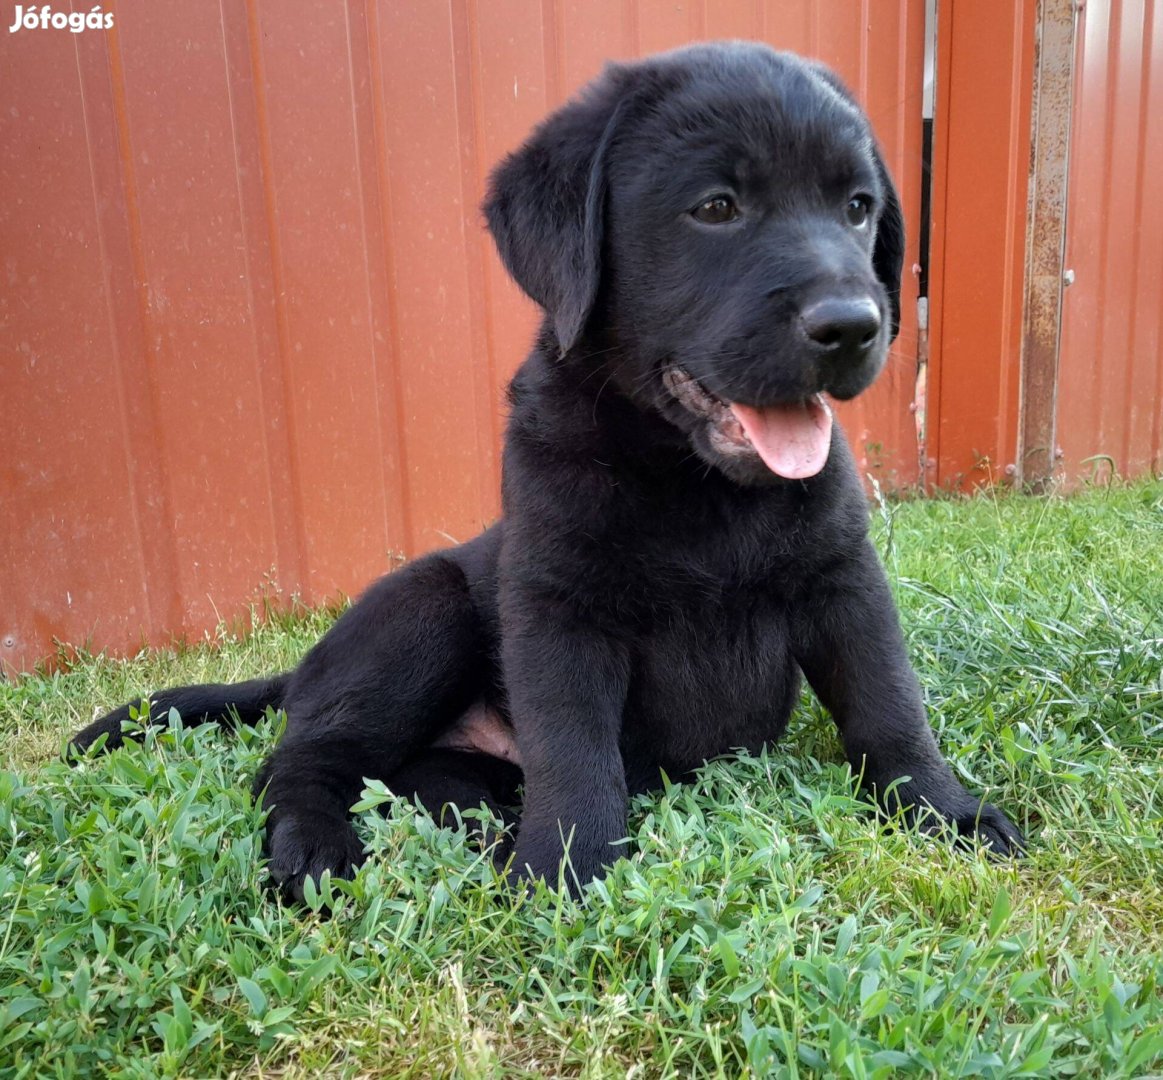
<point x="271" y="376"/>
<point x="360" y="88"/>
<point x="151" y="617"/>
<point x="148" y="454"/>
<point x="393" y="378"/>
<point x="281" y="385"/>
<point x="469" y="121"/>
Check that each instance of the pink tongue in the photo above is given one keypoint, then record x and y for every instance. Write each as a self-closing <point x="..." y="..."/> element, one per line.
<point x="793" y="440"/>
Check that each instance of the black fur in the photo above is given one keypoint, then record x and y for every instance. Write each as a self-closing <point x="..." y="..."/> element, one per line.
<point x="648" y="600"/>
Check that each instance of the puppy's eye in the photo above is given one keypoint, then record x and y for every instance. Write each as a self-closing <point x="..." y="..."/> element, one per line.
<point x="857" y="211"/>
<point x="716" y="211"/>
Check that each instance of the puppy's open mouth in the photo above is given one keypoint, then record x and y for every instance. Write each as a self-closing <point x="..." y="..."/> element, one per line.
<point x="792" y="440"/>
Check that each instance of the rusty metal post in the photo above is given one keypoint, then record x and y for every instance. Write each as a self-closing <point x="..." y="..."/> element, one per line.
<point x="1046" y="274"/>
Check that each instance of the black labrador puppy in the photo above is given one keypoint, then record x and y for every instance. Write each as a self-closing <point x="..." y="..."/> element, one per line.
<point x="717" y="244"/>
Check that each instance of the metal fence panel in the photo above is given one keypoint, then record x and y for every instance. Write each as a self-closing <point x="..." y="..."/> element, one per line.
<point x="1110" y="375"/>
<point x="254" y="337"/>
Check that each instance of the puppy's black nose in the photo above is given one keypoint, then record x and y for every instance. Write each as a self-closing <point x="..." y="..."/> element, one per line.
<point x="842" y="325"/>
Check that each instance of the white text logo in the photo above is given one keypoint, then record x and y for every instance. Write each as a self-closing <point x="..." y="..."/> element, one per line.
<point x="47" y="19"/>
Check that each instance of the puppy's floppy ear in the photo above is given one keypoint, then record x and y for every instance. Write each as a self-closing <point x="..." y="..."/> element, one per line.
<point x="888" y="253"/>
<point x="546" y="206"/>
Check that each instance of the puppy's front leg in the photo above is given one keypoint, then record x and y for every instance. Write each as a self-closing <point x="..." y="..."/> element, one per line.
<point x="567" y="683"/>
<point x="848" y="643"/>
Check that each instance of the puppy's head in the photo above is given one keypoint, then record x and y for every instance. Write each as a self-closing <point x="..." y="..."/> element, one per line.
<point x="720" y="220"/>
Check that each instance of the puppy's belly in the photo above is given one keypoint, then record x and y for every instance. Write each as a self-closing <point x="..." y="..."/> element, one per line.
<point x="482" y="730"/>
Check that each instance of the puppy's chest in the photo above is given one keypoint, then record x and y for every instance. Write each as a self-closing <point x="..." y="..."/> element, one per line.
<point x="703" y="683"/>
<point x="705" y="602"/>
<point x="674" y="571"/>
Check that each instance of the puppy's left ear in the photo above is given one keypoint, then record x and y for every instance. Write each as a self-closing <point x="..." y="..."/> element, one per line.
<point x="546" y="206"/>
<point x="888" y="253"/>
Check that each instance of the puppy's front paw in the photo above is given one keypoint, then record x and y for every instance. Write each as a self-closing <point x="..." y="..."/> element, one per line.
<point x="967" y="820"/>
<point x="988" y="825"/>
<point x="302" y="846"/>
<point x="938" y="804"/>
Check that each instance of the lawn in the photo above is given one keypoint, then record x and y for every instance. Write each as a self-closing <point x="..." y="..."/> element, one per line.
<point x="761" y="923"/>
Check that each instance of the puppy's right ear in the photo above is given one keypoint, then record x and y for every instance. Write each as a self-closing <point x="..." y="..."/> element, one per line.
<point x="546" y="206"/>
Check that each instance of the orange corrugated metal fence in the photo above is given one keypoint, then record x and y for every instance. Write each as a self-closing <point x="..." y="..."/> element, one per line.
<point x="1110" y="376"/>
<point x="980" y="173"/>
<point x="254" y="338"/>
<point x="254" y="334"/>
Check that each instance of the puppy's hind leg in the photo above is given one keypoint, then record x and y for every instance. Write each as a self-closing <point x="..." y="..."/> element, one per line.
<point x="393" y="673"/>
<point x="440" y="778"/>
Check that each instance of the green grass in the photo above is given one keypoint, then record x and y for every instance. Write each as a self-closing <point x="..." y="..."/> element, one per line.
<point x="761" y="923"/>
